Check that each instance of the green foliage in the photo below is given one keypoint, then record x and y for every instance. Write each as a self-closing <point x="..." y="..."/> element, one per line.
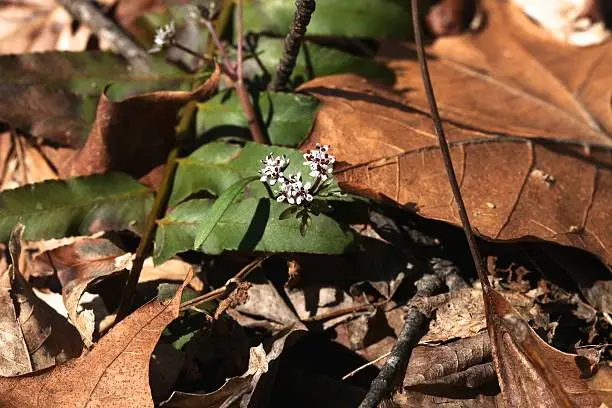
<point x="78" y="206"/>
<point x="248" y="225"/>
<point x="315" y="60"/>
<point x="217" y="165"/>
<point x="219" y="208"/>
<point x="68" y="86"/>
<point x="286" y="117"/>
<point x="338" y="18"/>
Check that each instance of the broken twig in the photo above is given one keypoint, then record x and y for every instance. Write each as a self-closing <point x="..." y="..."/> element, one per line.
<point x="87" y="13"/>
<point x="414" y="321"/>
<point x="293" y="41"/>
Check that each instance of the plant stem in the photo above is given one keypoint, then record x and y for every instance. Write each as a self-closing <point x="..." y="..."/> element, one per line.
<point x="237" y="75"/>
<point x="293" y="40"/>
<point x="190" y="51"/>
<point x="448" y="163"/>
<point x="241" y="90"/>
<point x="230" y="70"/>
<point x="146" y="243"/>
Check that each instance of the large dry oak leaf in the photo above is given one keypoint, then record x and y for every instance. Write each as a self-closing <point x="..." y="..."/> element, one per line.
<point x="529" y="124"/>
<point x="114" y="374"/>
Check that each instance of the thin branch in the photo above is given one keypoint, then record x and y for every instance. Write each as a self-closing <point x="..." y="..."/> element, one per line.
<point x="293" y="41"/>
<point x="344" y="311"/>
<point x="448" y="163"/>
<point x="414" y="322"/>
<point x="366" y="365"/>
<point x="241" y="90"/>
<point x="146" y="242"/>
<point x="107" y="30"/>
<point x="229" y="285"/>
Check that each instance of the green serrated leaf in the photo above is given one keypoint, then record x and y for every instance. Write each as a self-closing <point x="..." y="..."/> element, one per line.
<point x="286" y="117"/>
<point x="54" y="95"/>
<point x="78" y="206"/>
<point x="248" y="225"/>
<point x="315" y="61"/>
<point x="218" y="209"/>
<point x="338" y="18"/>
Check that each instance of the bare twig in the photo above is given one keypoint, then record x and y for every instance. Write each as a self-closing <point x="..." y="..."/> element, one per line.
<point x="230" y="70"/>
<point x="448" y="163"/>
<point x="229" y="285"/>
<point x="414" y="321"/>
<point x="293" y="41"/>
<point x="146" y="242"/>
<point x="87" y="13"/>
<point x="366" y="365"/>
<point x="344" y="311"/>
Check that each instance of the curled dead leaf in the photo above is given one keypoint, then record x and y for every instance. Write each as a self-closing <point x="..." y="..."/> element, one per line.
<point x="33" y="335"/>
<point x="531" y="373"/>
<point x="114" y="374"/>
<point x="136" y="134"/>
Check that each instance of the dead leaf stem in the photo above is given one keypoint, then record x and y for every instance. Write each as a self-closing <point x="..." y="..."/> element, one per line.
<point x="293" y="41"/>
<point x="146" y="242"/>
<point x="87" y="13"/>
<point x="448" y="163"/>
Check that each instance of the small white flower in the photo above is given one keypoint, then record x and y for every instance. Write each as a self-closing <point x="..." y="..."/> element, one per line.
<point x="272" y="169"/>
<point x="320" y="161"/>
<point x="293" y="190"/>
<point x="164" y="36"/>
<point x="303" y="193"/>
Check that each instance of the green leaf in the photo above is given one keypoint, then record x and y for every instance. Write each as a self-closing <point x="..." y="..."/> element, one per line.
<point x="287" y="213"/>
<point x="215" y="166"/>
<point x="338" y="18"/>
<point x="248" y="225"/>
<point x="54" y="95"/>
<point x="315" y="60"/>
<point x="219" y="208"/>
<point x="78" y="206"/>
<point x="286" y="117"/>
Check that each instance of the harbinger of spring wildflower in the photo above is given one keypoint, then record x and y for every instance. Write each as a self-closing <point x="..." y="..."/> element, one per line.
<point x="164" y="36"/>
<point x="320" y="161"/>
<point x="273" y="167"/>
<point x="294" y="191"/>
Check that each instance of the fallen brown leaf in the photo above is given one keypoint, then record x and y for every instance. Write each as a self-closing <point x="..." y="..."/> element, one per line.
<point x="529" y="131"/>
<point x="114" y="374"/>
<point x="530" y="372"/>
<point x="80" y="262"/>
<point x="33" y="335"/>
<point x="37" y="26"/>
<point x="21" y="162"/>
<point x="136" y="134"/>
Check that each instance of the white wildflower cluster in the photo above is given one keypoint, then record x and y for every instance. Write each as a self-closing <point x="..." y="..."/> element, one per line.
<point x="320" y="161"/>
<point x="164" y="36"/>
<point x="291" y="187"/>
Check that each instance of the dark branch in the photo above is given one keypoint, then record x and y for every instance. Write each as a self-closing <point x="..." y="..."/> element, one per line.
<point x="88" y="14"/>
<point x="414" y="322"/>
<point x="293" y="40"/>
